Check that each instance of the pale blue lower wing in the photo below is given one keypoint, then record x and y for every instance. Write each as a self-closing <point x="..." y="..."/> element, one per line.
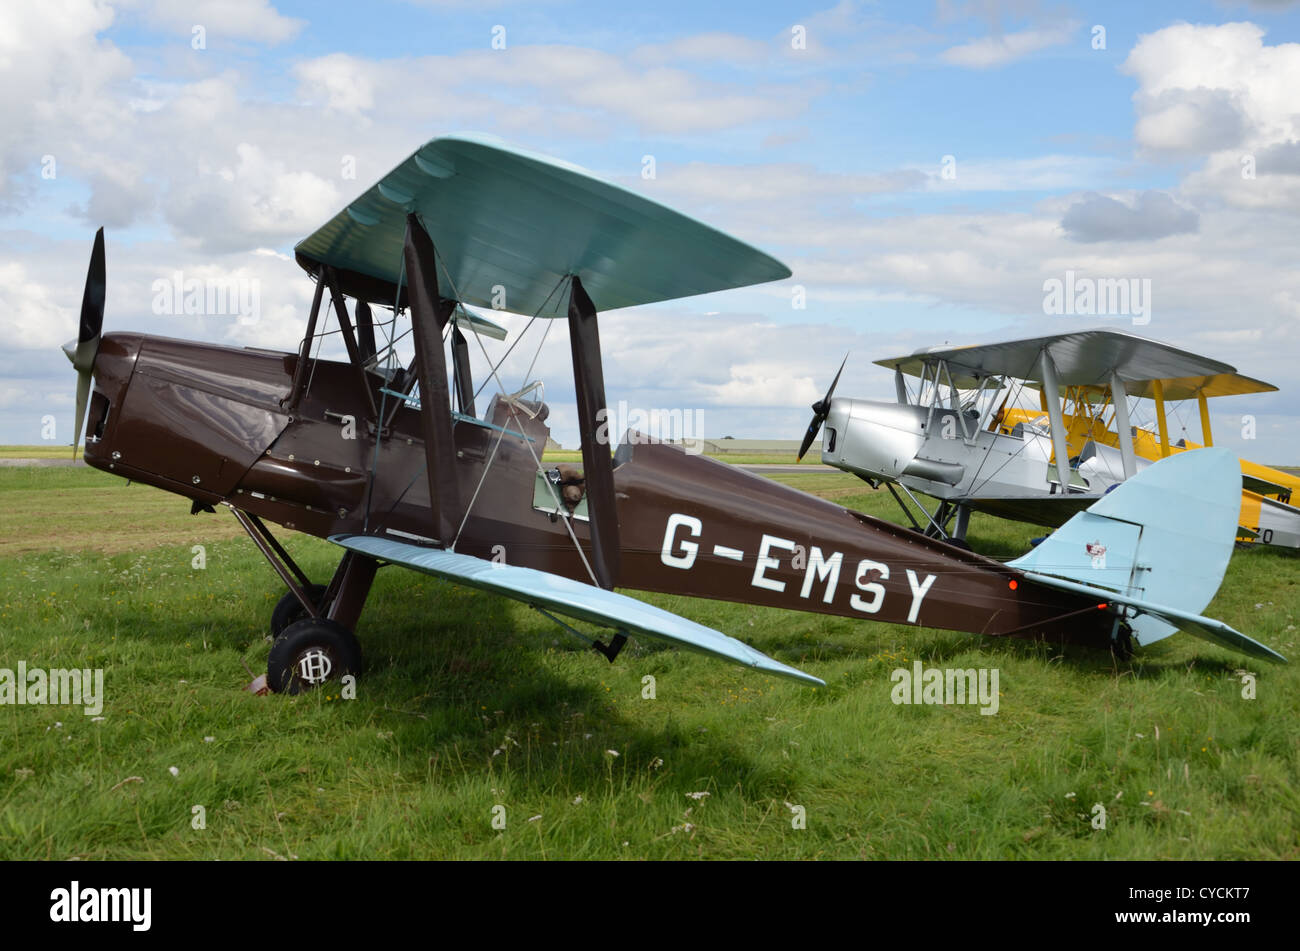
<point x="571" y="598"/>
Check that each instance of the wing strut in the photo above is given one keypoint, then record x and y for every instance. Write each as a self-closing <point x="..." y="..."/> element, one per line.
<point x="1052" y="396"/>
<point x="296" y="390"/>
<point x="350" y="340"/>
<point x="1207" y="437"/>
<point x="460" y="365"/>
<point x="428" y="315"/>
<point x="1123" y="428"/>
<point x="365" y="331"/>
<point x="1158" y="391"/>
<point x="609" y="651"/>
<point x="597" y="462"/>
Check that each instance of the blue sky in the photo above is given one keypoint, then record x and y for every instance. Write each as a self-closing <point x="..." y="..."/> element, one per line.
<point x="1122" y="162"/>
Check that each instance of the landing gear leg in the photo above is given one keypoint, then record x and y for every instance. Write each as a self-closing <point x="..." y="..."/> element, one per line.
<point x="1121" y="640"/>
<point x="316" y="650"/>
<point x="963" y="521"/>
<point x="312" y="623"/>
<point x="943" y="517"/>
<point x="350" y="587"/>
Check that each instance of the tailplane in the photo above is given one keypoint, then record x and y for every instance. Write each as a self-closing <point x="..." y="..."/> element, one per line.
<point x="1158" y="544"/>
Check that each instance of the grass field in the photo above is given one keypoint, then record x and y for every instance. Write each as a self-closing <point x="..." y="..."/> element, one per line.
<point x="43" y="451"/>
<point x="474" y="708"/>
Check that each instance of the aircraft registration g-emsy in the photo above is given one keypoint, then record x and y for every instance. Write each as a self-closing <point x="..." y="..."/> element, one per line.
<point x="466" y="497"/>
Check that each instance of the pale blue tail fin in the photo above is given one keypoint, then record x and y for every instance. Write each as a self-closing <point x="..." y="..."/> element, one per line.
<point x="1158" y="543"/>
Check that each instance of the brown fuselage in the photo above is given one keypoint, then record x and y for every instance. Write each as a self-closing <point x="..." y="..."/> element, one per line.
<point x="223" y="425"/>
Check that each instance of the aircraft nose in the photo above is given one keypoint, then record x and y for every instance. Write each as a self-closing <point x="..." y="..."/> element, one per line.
<point x="70" y="351"/>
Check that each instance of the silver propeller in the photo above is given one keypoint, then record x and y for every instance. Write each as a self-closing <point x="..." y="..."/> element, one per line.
<point x="82" y="351"/>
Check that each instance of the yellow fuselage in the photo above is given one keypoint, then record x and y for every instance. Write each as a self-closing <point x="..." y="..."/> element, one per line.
<point x="1146" y="444"/>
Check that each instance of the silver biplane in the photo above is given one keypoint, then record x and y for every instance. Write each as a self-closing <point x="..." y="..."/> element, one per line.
<point x="959" y="438"/>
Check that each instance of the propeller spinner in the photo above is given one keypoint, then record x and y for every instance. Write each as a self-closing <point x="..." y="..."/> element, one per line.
<point x="821" y="409"/>
<point x="83" y="350"/>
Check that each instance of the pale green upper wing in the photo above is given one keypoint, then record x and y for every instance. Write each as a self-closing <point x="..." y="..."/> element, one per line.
<point x="513" y="223"/>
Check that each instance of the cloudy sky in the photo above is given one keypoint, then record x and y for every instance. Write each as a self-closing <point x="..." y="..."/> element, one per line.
<point x="923" y="168"/>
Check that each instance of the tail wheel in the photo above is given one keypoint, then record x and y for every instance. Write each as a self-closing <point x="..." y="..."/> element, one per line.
<point x="1121" y="644"/>
<point x="289" y="609"/>
<point x="310" y="653"/>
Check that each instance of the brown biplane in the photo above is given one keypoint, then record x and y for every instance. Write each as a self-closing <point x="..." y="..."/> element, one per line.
<point x="395" y="464"/>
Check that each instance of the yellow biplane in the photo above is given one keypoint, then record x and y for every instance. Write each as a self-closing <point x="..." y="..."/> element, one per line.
<point x="1088" y="413"/>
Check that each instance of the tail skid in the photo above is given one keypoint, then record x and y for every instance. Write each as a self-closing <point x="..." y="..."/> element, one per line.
<point x="1158" y="544"/>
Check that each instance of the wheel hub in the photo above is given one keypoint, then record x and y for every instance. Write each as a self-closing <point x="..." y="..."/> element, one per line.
<point x="314" y="666"/>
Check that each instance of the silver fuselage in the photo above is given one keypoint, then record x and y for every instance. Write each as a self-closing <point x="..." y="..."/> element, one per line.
<point x="945" y="454"/>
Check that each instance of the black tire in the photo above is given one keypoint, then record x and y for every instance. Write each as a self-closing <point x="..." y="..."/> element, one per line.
<point x="1122" y="646"/>
<point x="960" y="543"/>
<point x="289" y="609"/>
<point x="312" y="652"/>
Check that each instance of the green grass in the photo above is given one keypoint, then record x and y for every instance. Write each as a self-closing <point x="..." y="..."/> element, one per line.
<point x="43" y="451"/>
<point x="471" y="702"/>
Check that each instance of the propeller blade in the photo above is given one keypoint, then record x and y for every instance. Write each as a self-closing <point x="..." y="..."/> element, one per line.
<point x="92" y="300"/>
<point x="83" y="394"/>
<point x="826" y="403"/>
<point x="83" y="350"/>
<point x="809" y="436"/>
<point x="821" y="409"/>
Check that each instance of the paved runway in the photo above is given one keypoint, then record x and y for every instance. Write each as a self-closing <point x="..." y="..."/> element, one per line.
<point x="772" y="468"/>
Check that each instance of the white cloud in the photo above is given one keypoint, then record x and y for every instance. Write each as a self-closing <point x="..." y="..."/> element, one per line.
<point x="31" y="317"/>
<point x="654" y="99"/>
<point x="1190" y="76"/>
<point x="238" y="19"/>
<point x="1144" y="217"/>
<point x="120" y="194"/>
<point x="1198" y="121"/>
<point x="258" y="200"/>
<point x="1222" y="92"/>
<point x="58" y="79"/>
<point x="1002" y="48"/>
<point x="728" y="48"/>
<point x="1036" y="173"/>
<point x="695" y="182"/>
<point x="344" y="80"/>
<point x="763" y="383"/>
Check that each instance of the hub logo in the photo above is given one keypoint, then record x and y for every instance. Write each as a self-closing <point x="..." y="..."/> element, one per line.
<point x="76" y="904"/>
